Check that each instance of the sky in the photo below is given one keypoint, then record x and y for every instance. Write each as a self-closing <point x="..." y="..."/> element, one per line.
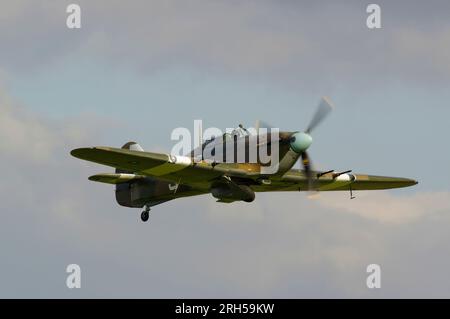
<point x="136" y="70"/>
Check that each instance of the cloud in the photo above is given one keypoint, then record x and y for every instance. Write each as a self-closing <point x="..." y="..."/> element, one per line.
<point x="387" y="208"/>
<point x="313" y="45"/>
<point x="27" y="136"/>
<point x="384" y="207"/>
<point x="293" y="41"/>
<point x="22" y="135"/>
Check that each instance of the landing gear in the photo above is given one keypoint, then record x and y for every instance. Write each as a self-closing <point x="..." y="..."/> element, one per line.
<point x="145" y="214"/>
<point x="351" y="193"/>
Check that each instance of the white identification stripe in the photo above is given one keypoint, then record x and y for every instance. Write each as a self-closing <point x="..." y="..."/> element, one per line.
<point x="182" y="160"/>
<point x="175" y="163"/>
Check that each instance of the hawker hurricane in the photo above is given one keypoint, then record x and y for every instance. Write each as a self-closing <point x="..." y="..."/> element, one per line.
<point x="144" y="179"/>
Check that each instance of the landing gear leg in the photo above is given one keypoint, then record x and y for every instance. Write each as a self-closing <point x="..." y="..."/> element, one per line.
<point x="146" y="213"/>
<point x="351" y="193"/>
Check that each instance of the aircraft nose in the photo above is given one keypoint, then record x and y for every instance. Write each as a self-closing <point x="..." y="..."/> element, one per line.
<point x="300" y="142"/>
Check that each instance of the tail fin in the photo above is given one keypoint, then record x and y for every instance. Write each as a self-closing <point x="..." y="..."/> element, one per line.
<point x="133" y="146"/>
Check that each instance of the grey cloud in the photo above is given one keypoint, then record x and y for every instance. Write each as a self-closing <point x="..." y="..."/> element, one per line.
<point x="25" y="134"/>
<point x="306" y="44"/>
<point x="395" y="209"/>
<point x="22" y="135"/>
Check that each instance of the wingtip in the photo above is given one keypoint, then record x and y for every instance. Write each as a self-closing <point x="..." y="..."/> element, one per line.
<point x="409" y="182"/>
<point x="74" y="152"/>
<point x="79" y="151"/>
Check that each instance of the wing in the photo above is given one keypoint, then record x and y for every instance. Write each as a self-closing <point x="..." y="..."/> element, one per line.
<point x="162" y="166"/>
<point x="124" y="159"/>
<point x="374" y="182"/>
<point x="295" y="180"/>
<point x="200" y="175"/>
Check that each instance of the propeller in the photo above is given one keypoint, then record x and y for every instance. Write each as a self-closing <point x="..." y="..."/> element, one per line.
<point x="301" y="141"/>
<point x="324" y="108"/>
<point x="306" y="162"/>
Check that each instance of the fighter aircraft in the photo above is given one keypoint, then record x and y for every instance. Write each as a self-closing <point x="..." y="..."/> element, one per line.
<point x="145" y="179"/>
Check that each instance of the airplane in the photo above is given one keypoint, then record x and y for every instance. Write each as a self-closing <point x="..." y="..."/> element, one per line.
<point x="145" y="179"/>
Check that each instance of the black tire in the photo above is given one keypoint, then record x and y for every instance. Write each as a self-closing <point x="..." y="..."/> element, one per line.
<point x="144" y="216"/>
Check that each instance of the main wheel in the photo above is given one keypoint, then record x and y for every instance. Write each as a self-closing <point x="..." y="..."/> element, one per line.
<point x="144" y="216"/>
